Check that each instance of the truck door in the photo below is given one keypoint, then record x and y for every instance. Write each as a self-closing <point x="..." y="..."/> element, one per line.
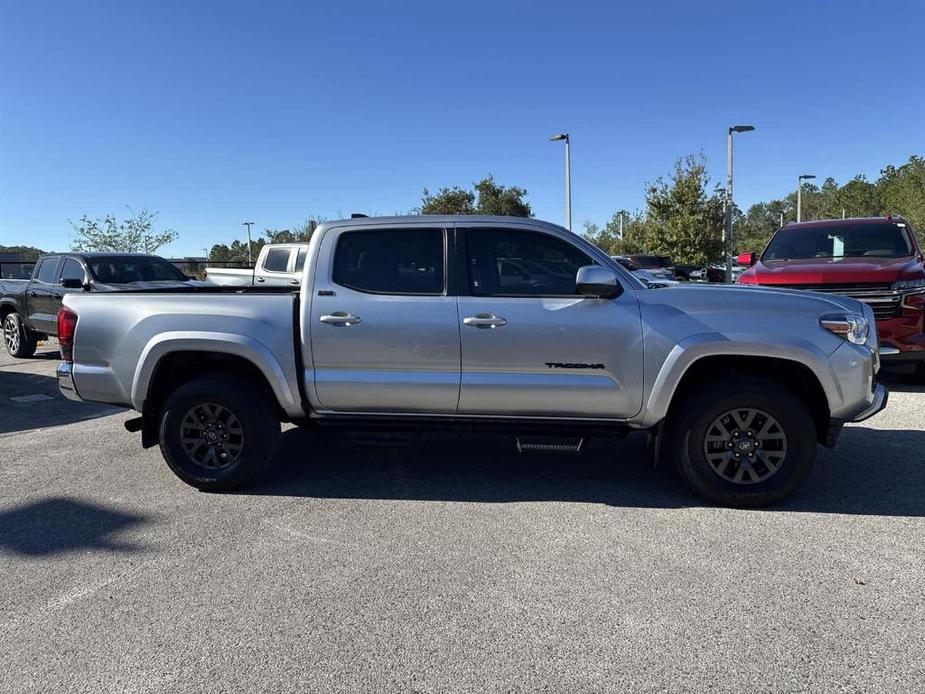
<point x="383" y="325"/>
<point x="43" y="317"/>
<point x="276" y="270"/>
<point x="530" y="344"/>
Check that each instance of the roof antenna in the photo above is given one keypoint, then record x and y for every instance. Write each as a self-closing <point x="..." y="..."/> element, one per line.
<point x="358" y="215"/>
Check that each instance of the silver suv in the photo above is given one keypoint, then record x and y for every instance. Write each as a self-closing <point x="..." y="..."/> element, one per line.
<point x="486" y="321"/>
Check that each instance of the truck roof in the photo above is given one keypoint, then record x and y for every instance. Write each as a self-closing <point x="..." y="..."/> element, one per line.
<point x="441" y="219"/>
<point x="839" y="222"/>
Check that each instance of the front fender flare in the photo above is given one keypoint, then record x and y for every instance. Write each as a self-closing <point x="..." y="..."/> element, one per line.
<point x="696" y="347"/>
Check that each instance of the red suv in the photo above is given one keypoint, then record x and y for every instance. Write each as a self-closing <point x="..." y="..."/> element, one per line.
<point x="876" y="260"/>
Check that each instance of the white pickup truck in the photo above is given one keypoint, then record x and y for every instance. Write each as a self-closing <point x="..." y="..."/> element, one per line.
<point x="278" y="265"/>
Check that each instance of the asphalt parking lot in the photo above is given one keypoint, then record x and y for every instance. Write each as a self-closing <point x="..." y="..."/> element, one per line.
<point x="451" y="564"/>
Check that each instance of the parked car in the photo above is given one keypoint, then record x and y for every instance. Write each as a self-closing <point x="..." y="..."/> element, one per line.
<point x="647" y="277"/>
<point x="876" y="260"/>
<point x="717" y="272"/>
<point x="29" y="307"/>
<point x="278" y="265"/>
<point x="736" y="386"/>
<point x="687" y="272"/>
<point x="659" y="265"/>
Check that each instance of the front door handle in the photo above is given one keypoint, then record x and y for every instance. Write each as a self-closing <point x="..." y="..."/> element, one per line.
<point x="484" y="320"/>
<point x="295" y="281"/>
<point x="339" y="318"/>
<point x="259" y="279"/>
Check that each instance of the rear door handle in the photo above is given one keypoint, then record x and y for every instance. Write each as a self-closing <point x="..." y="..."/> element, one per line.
<point x="339" y="318"/>
<point x="260" y="279"/>
<point x="484" y="320"/>
<point x="294" y="282"/>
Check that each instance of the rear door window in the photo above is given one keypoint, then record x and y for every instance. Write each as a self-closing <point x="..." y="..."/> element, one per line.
<point x="277" y="260"/>
<point x="399" y="261"/>
<point x="300" y="259"/>
<point x="48" y="270"/>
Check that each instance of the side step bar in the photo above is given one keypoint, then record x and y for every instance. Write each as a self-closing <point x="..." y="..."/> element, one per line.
<point x="551" y="444"/>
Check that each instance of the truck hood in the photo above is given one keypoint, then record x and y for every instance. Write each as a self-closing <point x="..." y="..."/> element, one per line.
<point x="834" y="271"/>
<point x="720" y="298"/>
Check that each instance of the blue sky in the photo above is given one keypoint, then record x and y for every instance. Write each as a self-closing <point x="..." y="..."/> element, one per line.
<point x="217" y="113"/>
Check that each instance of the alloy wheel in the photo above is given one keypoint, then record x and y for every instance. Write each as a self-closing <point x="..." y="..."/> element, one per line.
<point x="745" y="445"/>
<point x="11" y="334"/>
<point x="212" y="435"/>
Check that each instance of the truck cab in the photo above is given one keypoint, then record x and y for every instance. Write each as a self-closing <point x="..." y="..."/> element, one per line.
<point x="278" y="265"/>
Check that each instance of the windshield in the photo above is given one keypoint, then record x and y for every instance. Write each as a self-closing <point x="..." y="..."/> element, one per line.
<point x="652" y="261"/>
<point x="841" y="241"/>
<point x="128" y="269"/>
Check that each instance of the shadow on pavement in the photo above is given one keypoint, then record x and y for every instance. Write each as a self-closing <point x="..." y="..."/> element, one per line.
<point x="26" y="415"/>
<point x="57" y="525"/>
<point x="871" y="472"/>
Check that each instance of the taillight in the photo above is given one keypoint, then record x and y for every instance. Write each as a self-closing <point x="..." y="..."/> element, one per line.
<point x="67" y="322"/>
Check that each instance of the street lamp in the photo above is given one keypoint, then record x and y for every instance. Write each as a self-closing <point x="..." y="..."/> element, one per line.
<point x="568" y="177"/>
<point x="727" y="232"/>
<point x="800" y="179"/>
<point x="250" y="260"/>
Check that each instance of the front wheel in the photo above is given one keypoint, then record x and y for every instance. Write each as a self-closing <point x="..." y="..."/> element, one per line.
<point x="743" y="442"/>
<point x="218" y="433"/>
<point x="19" y="340"/>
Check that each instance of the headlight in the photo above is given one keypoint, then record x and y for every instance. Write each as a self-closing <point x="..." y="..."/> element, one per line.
<point x="850" y="326"/>
<point x="910" y="284"/>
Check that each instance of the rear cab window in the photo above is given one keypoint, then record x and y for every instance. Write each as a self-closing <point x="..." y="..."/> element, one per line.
<point x="392" y="261"/>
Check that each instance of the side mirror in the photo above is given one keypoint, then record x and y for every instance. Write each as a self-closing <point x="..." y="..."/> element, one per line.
<point x="73" y="283"/>
<point x="597" y="281"/>
<point x="747" y="259"/>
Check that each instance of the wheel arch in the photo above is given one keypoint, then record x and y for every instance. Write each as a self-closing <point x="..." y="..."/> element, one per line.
<point x="169" y="362"/>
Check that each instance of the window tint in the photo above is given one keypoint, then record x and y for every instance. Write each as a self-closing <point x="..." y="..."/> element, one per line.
<point x="300" y="259"/>
<point x="521" y="263"/>
<point x="128" y="269"/>
<point x="72" y="270"/>
<point x="48" y="271"/>
<point x="391" y="262"/>
<point x="277" y="260"/>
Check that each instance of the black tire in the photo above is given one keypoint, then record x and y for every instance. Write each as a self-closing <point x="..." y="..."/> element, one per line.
<point x="767" y="470"/>
<point x="228" y="407"/>
<point x="918" y="376"/>
<point x="19" y="340"/>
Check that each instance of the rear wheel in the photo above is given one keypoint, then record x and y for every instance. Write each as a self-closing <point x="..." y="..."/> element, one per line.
<point x="19" y="340"/>
<point x="216" y="434"/>
<point x="744" y="442"/>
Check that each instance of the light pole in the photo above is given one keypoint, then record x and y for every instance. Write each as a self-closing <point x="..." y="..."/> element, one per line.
<point x="250" y="261"/>
<point x="800" y="179"/>
<point x="727" y="233"/>
<point x="568" y="178"/>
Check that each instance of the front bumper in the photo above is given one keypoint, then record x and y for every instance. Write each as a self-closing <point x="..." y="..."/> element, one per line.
<point x="881" y="396"/>
<point x="65" y="374"/>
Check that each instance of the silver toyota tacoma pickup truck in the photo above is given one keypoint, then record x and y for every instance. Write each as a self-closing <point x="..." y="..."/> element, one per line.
<point x="482" y="321"/>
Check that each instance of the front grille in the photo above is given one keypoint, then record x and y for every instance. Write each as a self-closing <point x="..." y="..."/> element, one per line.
<point x="885" y="302"/>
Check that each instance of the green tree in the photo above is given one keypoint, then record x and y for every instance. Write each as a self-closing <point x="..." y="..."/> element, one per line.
<point x="488" y="197"/>
<point x="635" y="229"/>
<point x="902" y="191"/>
<point x="134" y="234"/>
<point x="859" y="198"/>
<point x="300" y="233"/>
<point x="236" y="251"/>
<point x="684" y="222"/>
